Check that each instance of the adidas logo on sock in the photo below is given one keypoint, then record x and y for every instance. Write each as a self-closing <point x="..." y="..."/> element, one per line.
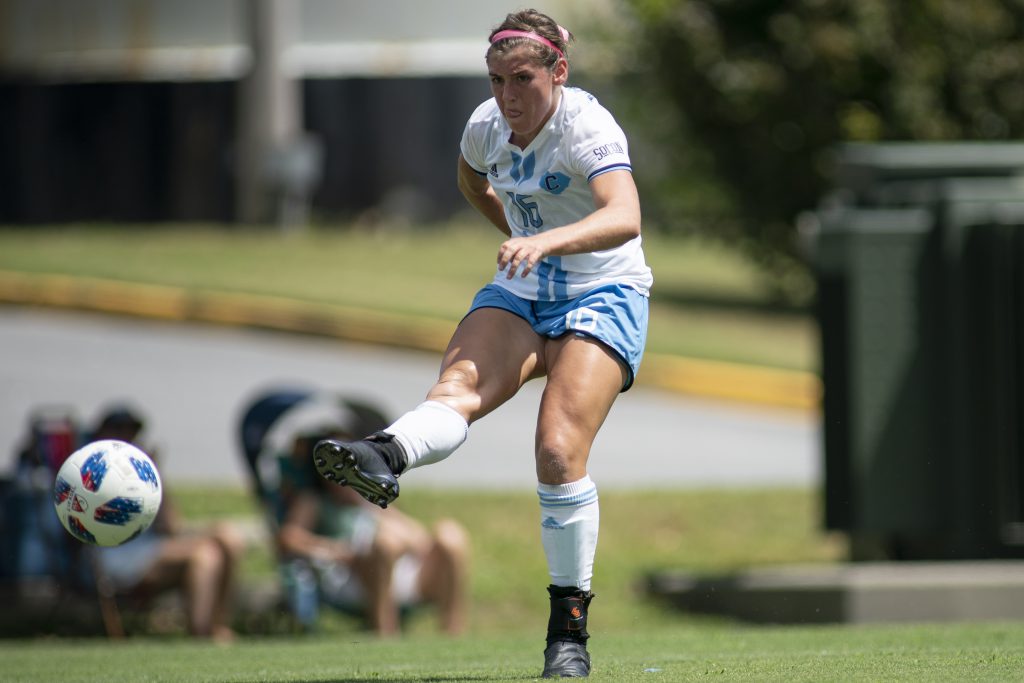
<point x="551" y="523"/>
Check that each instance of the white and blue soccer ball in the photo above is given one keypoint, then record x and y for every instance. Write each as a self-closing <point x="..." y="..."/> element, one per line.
<point x="107" y="492"/>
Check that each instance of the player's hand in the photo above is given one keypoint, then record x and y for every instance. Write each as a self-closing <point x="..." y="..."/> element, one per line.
<point x="520" y="254"/>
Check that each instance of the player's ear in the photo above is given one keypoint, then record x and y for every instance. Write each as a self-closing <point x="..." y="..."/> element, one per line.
<point x="560" y="74"/>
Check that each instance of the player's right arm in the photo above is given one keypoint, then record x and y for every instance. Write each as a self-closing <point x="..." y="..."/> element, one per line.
<point x="479" y="193"/>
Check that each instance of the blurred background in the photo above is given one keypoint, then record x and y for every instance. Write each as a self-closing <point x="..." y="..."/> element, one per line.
<point x="831" y="194"/>
<point x="256" y="112"/>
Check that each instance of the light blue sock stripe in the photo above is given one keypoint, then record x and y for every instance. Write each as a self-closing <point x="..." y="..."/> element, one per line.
<point x="547" y="495"/>
<point x="571" y="500"/>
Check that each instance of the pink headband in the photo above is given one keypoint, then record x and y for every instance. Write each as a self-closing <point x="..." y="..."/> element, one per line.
<point x="530" y="35"/>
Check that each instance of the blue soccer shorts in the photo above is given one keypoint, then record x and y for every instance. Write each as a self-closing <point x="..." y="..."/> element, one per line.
<point x="613" y="314"/>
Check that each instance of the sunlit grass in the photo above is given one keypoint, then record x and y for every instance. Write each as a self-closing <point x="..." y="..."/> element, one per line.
<point x="697" y="530"/>
<point x="429" y="271"/>
<point x="680" y="652"/>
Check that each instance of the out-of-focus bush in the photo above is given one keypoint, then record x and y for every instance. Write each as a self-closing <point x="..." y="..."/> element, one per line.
<point x="742" y="102"/>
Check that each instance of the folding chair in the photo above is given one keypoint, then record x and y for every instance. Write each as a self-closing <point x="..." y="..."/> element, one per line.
<point x="269" y="426"/>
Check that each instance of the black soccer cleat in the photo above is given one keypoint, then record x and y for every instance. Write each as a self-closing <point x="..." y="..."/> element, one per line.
<point x="566" y="654"/>
<point x="566" y="659"/>
<point x="361" y="465"/>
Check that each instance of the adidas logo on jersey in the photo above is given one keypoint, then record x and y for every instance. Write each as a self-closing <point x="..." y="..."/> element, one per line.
<point x="494" y="170"/>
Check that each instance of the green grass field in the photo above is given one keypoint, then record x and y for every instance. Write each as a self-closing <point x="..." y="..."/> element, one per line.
<point x="707" y="304"/>
<point x="633" y="638"/>
<point x="685" y="652"/>
<point x="707" y="301"/>
<point x="641" y="532"/>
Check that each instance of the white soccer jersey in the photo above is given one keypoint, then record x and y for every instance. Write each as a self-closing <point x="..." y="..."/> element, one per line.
<point x="546" y="186"/>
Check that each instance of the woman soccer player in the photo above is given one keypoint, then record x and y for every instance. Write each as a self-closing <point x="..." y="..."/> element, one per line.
<point x="549" y="167"/>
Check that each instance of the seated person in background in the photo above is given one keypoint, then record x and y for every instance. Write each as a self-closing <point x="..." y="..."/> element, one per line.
<point x="33" y="544"/>
<point x="339" y="550"/>
<point x="165" y="557"/>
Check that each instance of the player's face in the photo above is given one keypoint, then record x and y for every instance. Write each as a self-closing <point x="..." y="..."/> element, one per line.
<point x="526" y="92"/>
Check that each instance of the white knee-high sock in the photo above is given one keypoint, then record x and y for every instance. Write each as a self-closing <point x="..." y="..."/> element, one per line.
<point x="429" y="433"/>
<point x="569" y="521"/>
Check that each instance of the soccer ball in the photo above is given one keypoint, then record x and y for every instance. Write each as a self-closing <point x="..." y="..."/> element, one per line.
<point x="107" y="493"/>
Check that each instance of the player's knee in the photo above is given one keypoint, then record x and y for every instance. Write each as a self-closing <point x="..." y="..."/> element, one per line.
<point x="456" y="381"/>
<point x="556" y="458"/>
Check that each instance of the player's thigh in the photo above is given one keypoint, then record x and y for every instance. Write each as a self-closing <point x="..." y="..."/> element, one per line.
<point x="584" y="378"/>
<point x="491" y="355"/>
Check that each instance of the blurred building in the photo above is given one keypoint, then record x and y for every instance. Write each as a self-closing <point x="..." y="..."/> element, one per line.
<point x="137" y="110"/>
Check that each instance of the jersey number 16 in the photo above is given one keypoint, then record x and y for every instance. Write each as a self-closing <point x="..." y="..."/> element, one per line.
<point x="528" y="209"/>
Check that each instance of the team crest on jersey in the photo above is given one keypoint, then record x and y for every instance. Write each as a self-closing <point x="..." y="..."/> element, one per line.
<point x="555" y="183"/>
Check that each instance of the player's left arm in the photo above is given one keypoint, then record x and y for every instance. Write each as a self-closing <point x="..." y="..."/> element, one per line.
<point x="614" y="221"/>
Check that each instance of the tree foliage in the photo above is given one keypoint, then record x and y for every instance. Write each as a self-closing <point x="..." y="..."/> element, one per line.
<point x="749" y="98"/>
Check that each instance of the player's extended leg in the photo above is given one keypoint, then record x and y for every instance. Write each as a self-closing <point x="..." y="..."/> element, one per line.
<point x="492" y="353"/>
<point x="584" y="378"/>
